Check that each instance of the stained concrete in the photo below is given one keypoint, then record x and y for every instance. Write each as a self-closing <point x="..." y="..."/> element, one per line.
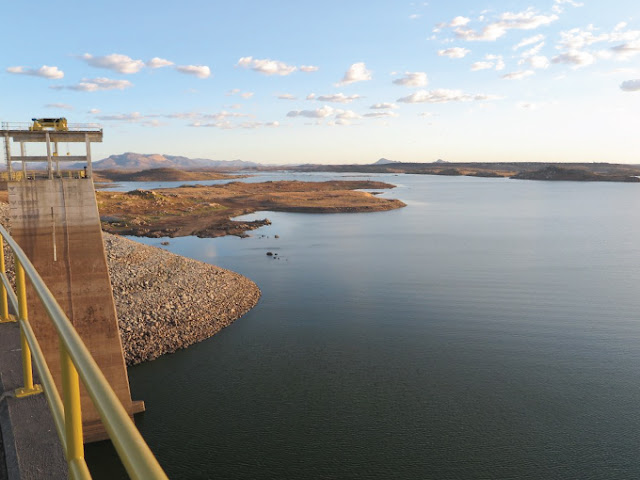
<point x="56" y="223"/>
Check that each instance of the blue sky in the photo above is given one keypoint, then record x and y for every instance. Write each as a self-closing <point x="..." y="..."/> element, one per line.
<point x="334" y="82"/>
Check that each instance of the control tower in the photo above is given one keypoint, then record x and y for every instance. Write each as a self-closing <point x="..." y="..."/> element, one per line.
<point x="55" y="220"/>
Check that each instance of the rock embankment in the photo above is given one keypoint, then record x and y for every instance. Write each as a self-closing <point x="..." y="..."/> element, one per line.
<point x="166" y="302"/>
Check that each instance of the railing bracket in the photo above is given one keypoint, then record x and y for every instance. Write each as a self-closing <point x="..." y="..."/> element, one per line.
<point x="27" y="392"/>
<point x="11" y="319"/>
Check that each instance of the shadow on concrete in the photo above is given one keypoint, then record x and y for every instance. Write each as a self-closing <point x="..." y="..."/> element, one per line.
<point x="30" y="441"/>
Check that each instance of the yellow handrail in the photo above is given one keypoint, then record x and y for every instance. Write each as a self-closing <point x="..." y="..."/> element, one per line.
<point x="76" y="361"/>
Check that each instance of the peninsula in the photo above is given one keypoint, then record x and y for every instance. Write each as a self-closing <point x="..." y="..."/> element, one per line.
<point x="207" y="211"/>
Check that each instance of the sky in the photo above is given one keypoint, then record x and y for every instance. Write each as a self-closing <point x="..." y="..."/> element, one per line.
<point x="285" y="82"/>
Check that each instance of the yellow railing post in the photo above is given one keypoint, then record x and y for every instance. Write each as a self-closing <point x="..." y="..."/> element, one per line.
<point x="76" y="364"/>
<point x="27" y="371"/>
<point x="4" y="306"/>
<point x="72" y="411"/>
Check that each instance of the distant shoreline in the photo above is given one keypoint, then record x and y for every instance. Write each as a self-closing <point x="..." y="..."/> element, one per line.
<point x="577" y="172"/>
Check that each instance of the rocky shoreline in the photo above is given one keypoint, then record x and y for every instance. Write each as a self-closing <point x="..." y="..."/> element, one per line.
<point x="166" y="302"/>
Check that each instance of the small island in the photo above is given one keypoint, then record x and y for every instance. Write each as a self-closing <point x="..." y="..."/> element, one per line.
<point x="207" y="211"/>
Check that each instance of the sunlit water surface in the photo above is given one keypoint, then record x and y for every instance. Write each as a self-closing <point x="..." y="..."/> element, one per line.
<point x="490" y="329"/>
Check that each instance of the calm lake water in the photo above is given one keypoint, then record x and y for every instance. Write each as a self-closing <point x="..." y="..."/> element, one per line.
<point x="490" y="329"/>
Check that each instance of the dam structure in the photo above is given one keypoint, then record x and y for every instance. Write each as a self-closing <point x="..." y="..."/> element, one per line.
<point x="55" y="226"/>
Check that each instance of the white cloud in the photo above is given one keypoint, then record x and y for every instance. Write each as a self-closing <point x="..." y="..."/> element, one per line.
<point x="570" y="2"/>
<point x="481" y="66"/>
<point x="459" y="21"/>
<point x="157" y="62"/>
<point x="224" y="114"/>
<point x="575" y="57"/>
<point x="576" y="39"/>
<point x="627" y="50"/>
<point x="529" y="41"/>
<point x="237" y="91"/>
<point x="224" y="124"/>
<point x="321" y="112"/>
<point x="308" y="68"/>
<point x="200" y="71"/>
<point x="454" y="52"/>
<point x="412" y="79"/>
<point x="63" y="106"/>
<point x="96" y="84"/>
<point x="116" y="62"/>
<point x="443" y="95"/>
<point x="559" y="9"/>
<point x="490" y="61"/>
<point x="286" y="96"/>
<point x="518" y="75"/>
<point x="335" y="98"/>
<point x="630" y="86"/>
<point x="538" y="62"/>
<point x="414" y="16"/>
<point x="527" y="20"/>
<point x="381" y="106"/>
<point x="347" y="115"/>
<point x="575" y="44"/>
<point x="499" y="62"/>
<point x="44" y="71"/>
<point x="134" y="117"/>
<point x="182" y="115"/>
<point x="94" y="111"/>
<point x="357" y="73"/>
<point x="532" y="51"/>
<point x="266" y="66"/>
<point x="380" y="114"/>
<point x="123" y="117"/>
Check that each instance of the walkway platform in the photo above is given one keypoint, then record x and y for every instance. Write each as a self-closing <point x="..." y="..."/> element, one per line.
<point x="31" y="445"/>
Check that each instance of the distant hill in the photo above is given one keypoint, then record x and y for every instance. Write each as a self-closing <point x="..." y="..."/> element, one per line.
<point x="158" y="175"/>
<point x="384" y="161"/>
<point x="142" y="161"/>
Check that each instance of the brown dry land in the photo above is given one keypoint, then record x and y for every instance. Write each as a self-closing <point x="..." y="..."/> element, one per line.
<point x="207" y="211"/>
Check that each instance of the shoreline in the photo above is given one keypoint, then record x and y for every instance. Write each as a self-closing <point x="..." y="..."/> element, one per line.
<point x="208" y="211"/>
<point x="166" y="302"/>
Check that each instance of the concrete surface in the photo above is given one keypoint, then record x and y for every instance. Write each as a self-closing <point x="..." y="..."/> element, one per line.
<point x="31" y="446"/>
<point x="56" y="222"/>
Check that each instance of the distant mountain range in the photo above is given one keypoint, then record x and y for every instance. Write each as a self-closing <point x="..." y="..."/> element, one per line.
<point x="142" y="161"/>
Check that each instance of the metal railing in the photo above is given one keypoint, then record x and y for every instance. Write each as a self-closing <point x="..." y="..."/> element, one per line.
<point x="76" y="363"/>
<point x="72" y="127"/>
<point x="19" y="175"/>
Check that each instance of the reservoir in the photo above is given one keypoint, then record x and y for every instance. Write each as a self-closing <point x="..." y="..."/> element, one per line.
<point x="490" y="329"/>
